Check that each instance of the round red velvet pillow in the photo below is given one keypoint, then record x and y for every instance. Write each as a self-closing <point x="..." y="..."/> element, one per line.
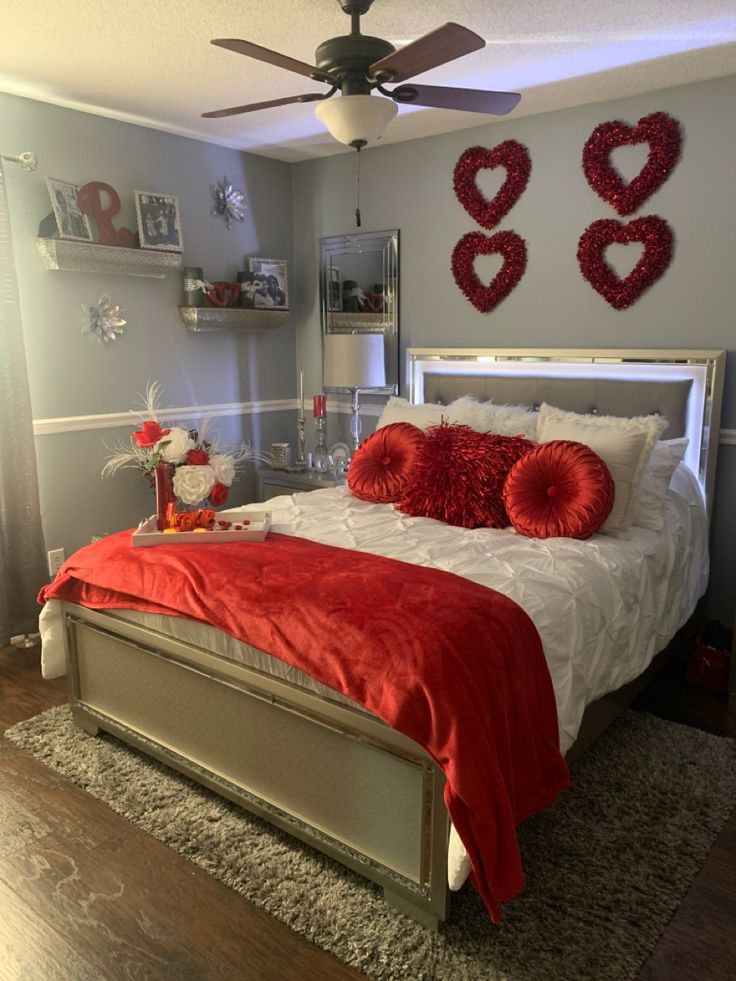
<point x="382" y="463"/>
<point x="560" y="489"/>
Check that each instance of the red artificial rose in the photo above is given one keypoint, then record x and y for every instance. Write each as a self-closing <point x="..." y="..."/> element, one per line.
<point x="218" y="495"/>
<point x="198" y="458"/>
<point x="186" y="521"/>
<point x="150" y="434"/>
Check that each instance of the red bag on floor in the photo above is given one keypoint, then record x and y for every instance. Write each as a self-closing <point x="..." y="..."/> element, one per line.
<point x="710" y="662"/>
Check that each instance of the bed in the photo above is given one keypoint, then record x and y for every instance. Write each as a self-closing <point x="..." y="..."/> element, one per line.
<point x="315" y="763"/>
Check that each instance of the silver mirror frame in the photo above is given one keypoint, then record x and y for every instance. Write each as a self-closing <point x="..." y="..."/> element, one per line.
<point x="386" y="321"/>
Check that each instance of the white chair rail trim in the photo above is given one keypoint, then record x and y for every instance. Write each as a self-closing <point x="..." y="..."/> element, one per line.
<point x="124" y="420"/>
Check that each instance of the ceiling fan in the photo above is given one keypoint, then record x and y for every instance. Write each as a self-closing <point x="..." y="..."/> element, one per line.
<point x="356" y="65"/>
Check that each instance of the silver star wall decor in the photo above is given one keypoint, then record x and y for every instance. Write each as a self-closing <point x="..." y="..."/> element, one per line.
<point x="104" y="320"/>
<point x="229" y="202"/>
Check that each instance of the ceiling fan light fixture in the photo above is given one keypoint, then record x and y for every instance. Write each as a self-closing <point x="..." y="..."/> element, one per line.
<point x="356" y="119"/>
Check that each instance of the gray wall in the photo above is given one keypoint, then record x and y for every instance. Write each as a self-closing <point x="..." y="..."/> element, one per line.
<point x="409" y="186"/>
<point x="72" y="375"/>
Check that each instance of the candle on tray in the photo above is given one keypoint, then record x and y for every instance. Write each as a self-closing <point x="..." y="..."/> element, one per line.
<point x="320" y="406"/>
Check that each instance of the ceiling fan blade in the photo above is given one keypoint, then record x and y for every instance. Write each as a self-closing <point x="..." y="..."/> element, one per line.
<point x="274" y="58"/>
<point x="467" y="100"/>
<point x="436" y="48"/>
<point x="254" y="106"/>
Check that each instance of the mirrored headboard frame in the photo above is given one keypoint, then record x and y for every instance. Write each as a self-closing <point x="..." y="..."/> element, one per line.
<point x="704" y="369"/>
<point x="385" y="321"/>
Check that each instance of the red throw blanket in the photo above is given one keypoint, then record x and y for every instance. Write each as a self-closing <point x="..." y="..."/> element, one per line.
<point x="454" y="665"/>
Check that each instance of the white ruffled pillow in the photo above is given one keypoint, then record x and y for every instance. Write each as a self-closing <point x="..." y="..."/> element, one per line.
<point x="666" y="456"/>
<point x="625" y="445"/>
<point x="488" y="417"/>
<point x="401" y="410"/>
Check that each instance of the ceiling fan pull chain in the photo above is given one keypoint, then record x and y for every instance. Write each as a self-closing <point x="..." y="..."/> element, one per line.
<point x="357" y="187"/>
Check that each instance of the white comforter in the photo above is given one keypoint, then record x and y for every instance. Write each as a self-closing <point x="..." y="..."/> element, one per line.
<point x="603" y="607"/>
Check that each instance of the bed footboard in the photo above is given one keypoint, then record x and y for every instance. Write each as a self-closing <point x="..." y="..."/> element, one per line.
<point x="332" y="776"/>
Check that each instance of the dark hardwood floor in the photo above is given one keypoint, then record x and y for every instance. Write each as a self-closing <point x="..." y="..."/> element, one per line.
<point x="85" y="895"/>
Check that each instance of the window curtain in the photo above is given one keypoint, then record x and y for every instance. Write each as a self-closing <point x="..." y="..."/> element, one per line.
<point x="22" y="559"/>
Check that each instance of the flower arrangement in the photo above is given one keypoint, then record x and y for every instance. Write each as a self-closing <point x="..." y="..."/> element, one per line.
<point x="201" y="472"/>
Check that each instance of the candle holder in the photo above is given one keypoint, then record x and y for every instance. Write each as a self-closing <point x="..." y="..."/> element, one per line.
<point x="301" y="461"/>
<point x="320" y="456"/>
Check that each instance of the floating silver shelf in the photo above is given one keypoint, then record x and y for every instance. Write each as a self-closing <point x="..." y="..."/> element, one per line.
<point x="231" y="318"/>
<point x="72" y="256"/>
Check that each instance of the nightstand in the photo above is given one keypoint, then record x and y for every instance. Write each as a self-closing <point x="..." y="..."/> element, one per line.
<point x="272" y="483"/>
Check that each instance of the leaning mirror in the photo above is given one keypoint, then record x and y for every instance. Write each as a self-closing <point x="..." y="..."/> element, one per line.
<point x="359" y="296"/>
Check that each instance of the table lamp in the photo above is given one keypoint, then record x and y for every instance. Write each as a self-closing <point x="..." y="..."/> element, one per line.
<point x="355" y="362"/>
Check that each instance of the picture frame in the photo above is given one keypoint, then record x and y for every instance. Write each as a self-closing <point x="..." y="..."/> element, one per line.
<point x="71" y="221"/>
<point x="271" y="274"/>
<point x="159" y="221"/>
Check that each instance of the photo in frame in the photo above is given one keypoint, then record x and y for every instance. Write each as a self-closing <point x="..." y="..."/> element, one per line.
<point x="269" y="281"/>
<point x="159" y="222"/>
<point x="70" y="219"/>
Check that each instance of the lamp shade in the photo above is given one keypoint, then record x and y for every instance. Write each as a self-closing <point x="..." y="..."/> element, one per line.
<point x="354" y="361"/>
<point x="356" y="119"/>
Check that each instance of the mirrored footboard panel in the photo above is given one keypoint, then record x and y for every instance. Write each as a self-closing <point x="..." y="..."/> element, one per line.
<point x="335" y="777"/>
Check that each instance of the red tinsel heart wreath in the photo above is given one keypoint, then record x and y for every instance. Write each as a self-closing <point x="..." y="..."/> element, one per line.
<point x="513" y="249"/>
<point x="656" y="236"/>
<point x="511" y="155"/>
<point x="660" y="131"/>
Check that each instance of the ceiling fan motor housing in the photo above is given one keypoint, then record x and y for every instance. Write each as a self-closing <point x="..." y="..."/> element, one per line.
<point x="358" y="7"/>
<point x="349" y="57"/>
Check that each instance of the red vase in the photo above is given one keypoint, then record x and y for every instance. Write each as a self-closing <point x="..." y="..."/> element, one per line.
<point x="164" y="493"/>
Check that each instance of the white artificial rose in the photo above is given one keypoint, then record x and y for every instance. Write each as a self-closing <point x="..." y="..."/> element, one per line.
<point x="224" y="467"/>
<point x="178" y="444"/>
<point x="193" y="484"/>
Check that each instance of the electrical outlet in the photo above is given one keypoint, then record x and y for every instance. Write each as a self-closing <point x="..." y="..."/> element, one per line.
<point x="56" y="560"/>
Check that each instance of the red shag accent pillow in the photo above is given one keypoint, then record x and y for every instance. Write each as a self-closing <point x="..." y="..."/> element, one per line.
<point x="561" y="489"/>
<point x="459" y="477"/>
<point x="383" y="462"/>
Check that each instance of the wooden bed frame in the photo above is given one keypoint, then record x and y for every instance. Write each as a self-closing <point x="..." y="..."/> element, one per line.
<point x="333" y="775"/>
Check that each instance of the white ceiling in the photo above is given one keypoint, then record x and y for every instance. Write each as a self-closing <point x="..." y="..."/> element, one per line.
<point x="150" y="61"/>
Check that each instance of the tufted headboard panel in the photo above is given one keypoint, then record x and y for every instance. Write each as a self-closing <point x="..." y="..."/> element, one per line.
<point x="601" y="396"/>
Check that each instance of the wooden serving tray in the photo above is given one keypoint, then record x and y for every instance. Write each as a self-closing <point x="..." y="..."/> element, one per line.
<point x="255" y="531"/>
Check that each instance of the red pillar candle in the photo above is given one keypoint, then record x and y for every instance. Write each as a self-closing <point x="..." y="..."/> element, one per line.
<point x="320" y="406"/>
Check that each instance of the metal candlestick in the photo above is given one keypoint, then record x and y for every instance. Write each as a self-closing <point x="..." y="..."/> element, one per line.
<point x="301" y="460"/>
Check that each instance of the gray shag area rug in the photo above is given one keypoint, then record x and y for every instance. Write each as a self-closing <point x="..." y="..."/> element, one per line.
<point x="605" y="867"/>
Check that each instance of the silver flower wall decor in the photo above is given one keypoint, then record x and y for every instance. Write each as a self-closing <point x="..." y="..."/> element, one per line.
<point x="229" y="202"/>
<point x="104" y="320"/>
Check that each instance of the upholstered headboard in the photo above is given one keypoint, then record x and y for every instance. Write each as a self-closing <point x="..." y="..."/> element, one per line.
<point x="601" y="396"/>
<point x="683" y="386"/>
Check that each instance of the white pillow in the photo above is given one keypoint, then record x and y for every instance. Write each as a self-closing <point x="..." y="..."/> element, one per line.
<point x="623" y="444"/>
<point x="487" y="417"/>
<point x="401" y="410"/>
<point x="655" y="480"/>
